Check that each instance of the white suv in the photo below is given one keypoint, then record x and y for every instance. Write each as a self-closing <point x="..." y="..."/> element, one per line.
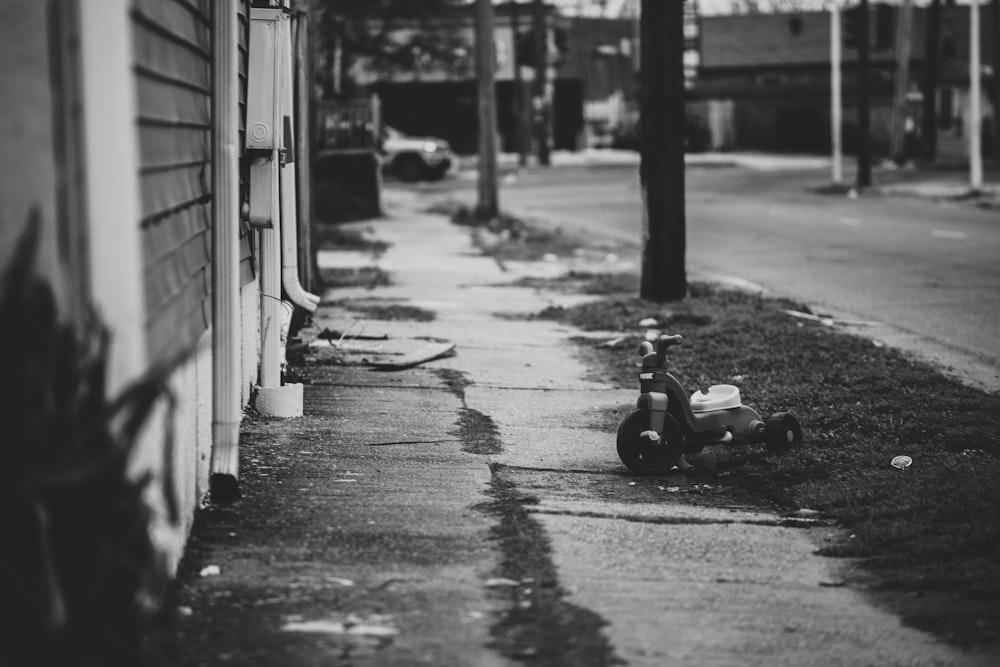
<point x="415" y="158"/>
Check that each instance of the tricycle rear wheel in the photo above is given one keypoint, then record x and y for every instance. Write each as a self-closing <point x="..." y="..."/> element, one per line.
<point x="782" y="433"/>
<point x="643" y="456"/>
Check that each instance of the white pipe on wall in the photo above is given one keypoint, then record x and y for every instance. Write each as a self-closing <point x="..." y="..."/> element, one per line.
<point x="270" y="291"/>
<point x="270" y="238"/>
<point x="226" y="370"/>
<point x="290" y="245"/>
<point x="289" y="213"/>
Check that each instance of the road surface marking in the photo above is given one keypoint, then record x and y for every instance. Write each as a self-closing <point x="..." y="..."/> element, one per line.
<point x="849" y="222"/>
<point x="948" y="234"/>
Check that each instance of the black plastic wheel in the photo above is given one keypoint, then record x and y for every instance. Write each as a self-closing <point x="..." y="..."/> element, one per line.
<point x="409" y="168"/>
<point x="641" y="455"/>
<point x="782" y="432"/>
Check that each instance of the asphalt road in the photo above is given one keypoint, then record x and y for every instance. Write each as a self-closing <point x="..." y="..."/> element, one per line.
<point x="927" y="273"/>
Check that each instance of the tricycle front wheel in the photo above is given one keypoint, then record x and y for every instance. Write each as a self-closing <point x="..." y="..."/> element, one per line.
<point x="643" y="456"/>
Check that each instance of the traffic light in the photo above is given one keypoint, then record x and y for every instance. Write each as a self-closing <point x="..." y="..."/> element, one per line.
<point x="851" y="27"/>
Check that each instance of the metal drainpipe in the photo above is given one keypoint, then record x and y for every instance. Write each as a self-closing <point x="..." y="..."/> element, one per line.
<point x="270" y="252"/>
<point x="289" y="219"/>
<point x="226" y="327"/>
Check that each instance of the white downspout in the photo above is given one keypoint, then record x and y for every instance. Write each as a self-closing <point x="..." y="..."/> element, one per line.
<point x="289" y="218"/>
<point x="226" y="413"/>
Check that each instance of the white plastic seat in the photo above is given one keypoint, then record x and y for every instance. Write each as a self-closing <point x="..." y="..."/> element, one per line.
<point x="717" y="397"/>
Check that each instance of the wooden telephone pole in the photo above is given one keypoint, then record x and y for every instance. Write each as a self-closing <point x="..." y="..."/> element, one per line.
<point x="662" y="137"/>
<point x="487" y="205"/>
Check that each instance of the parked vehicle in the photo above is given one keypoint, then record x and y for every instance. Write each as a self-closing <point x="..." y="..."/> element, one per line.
<point x="415" y="158"/>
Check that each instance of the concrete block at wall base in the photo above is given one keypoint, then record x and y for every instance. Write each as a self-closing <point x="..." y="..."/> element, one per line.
<point x="282" y="402"/>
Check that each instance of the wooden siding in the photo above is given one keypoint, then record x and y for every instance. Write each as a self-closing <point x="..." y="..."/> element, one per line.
<point x="172" y="65"/>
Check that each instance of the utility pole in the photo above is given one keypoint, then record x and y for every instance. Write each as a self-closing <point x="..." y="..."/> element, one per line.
<point x="975" y="101"/>
<point x="932" y="56"/>
<point x="662" y="138"/>
<point x="540" y="102"/>
<point x="487" y="206"/>
<point x="864" y="178"/>
<point x="904" y="36"/>
<point x="996" y="81"/>
<point x="836" y="101"/>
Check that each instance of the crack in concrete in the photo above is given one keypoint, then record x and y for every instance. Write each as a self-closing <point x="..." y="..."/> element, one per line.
<point x="777" y="522"/>
<point x="438" y="441"/>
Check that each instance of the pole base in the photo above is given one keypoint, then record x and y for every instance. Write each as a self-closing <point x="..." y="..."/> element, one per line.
<point x="284" y="402"/>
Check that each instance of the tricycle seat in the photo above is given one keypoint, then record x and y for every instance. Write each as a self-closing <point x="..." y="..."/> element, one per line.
<point x="716" y="397"/>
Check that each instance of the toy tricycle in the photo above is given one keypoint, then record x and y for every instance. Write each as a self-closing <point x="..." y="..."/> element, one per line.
<point x="667" y="424"/>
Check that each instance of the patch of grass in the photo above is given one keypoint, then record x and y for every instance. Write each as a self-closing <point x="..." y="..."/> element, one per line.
<point x="336" y="237"/>
<point x="389" y="311"/>
<point x="585" y="282"/>
<point x="933" y="527"/>
<point x="508" y="237"/>
<point x="369" y="277"/>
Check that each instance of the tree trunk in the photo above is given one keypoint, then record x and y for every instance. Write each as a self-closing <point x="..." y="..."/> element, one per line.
<point x="662" y="141"/>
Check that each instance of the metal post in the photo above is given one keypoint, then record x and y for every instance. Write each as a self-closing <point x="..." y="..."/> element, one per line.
<point x="836" y="103"/>
<point x="975" y="101"/>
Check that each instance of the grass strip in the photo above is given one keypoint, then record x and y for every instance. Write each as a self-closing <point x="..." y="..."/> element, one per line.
<point x="930" y="532"/>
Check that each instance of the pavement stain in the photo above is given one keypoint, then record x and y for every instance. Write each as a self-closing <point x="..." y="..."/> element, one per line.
<point x="477" y="431"/>
<point x="541" y="625"/>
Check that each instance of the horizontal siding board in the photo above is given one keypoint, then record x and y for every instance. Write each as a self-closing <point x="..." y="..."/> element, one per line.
<point x="166" y="191"/>
<point x="154" y="51"/>
<point x="172" y="69"/>
<point x="163" y="146"/>
<point x="167" y="235"/>
<point x="191" y="27"/>
<point x="169" y="278"/>
<point x="163" y="102"/>
<point x="177" y="325"/>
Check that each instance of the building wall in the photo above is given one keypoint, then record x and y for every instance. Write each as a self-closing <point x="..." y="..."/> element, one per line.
<point x="45" y="78"/>
<point x="172" y="64"/>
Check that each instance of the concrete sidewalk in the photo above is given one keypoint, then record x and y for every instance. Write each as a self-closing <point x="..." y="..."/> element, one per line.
<point x="369" y="531"/>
